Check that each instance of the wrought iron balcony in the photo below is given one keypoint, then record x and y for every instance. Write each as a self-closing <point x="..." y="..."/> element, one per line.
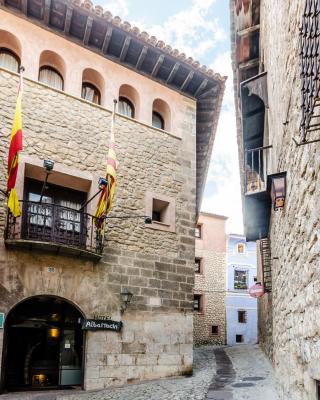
<point x="55" y="228"/>
<point x="255" y="170"/>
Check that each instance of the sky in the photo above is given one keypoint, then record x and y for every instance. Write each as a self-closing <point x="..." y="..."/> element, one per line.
<point x="200" y="29"/>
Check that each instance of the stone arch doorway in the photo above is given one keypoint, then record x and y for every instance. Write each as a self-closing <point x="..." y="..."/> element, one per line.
<point x="43" y="345"/>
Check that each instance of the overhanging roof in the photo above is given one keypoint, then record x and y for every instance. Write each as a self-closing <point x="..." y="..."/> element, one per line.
<point x="108" y="36"/>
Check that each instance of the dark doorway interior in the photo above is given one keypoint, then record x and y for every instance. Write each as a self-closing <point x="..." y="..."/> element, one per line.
<point x="44" y="345"/>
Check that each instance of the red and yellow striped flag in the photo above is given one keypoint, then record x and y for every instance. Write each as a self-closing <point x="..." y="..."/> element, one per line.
<point x="106" y="196"/>
<point x="13" y="157"/>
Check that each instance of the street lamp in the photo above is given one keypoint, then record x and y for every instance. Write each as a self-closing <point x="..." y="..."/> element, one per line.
<point x="126" y="297"/>
<point x="278" y="190"/>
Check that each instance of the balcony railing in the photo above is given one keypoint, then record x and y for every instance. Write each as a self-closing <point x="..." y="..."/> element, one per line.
<point x="55" y="227"/>
<point x="255" y="169"/>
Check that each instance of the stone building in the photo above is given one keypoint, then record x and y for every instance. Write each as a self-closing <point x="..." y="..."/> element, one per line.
<point x="241" y="309"/>
<point x="210" y="280"/>
<point x="275" y="62"/>
<point x="56" y="273"/>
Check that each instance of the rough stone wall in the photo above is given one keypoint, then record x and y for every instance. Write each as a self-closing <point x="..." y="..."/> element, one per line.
<point x="152" y="264"/>
<point x="294" y="233"/>
<point x="212" y="285"/>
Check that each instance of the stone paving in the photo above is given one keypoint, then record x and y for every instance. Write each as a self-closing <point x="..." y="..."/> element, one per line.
<point x="243" y="373"/>
<point x="220" y="373"/>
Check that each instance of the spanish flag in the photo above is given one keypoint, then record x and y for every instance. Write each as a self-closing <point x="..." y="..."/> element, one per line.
<point x="13" y="157"/>
<point x="107" y="191"/>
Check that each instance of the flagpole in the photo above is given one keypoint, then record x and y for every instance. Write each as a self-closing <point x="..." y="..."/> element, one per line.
<point x="113" y="120"/>
<point x="115" y="101"/>
<point x="21" y="71"/>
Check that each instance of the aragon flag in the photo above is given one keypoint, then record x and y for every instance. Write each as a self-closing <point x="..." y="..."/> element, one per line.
<point x="107" y="191"/>
<point x="13" y="157"/>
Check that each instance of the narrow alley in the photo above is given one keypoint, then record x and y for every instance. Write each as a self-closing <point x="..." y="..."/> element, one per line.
<point x="220" y="373"/>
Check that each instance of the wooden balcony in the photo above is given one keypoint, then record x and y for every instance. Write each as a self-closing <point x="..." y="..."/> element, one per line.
<point x="55" y="228"/>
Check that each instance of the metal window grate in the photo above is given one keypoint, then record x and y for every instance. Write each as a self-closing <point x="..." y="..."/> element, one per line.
<point x="265" y="253"/>
<point x="310" y="68"/>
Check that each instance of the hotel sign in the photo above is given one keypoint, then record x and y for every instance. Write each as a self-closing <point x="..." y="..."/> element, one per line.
<point x="101" y="324"/>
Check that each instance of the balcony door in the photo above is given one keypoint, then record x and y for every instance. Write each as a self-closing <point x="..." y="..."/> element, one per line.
<point x="57" y="218"/>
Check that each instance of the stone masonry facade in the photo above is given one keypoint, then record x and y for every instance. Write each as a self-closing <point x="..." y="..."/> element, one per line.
<point x="156" y="266"/>
<point x="290" y="313"/>
<point x="211" y="282"/>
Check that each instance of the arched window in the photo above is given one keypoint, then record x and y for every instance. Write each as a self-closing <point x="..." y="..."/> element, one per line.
<point x="161" y="115"/>
<point x="91" y="93"/>
<point x="51" y="77"/>
<point x="157" y="120"/>
<point x="93" y="86"/>
<point x="9" y="60"/>
<point x="126" y="107"/>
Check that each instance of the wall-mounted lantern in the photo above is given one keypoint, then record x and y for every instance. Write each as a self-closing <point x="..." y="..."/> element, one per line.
<point x="278" y="190"/>
<point x="126" y="297"/>
<point x="48" y="166"/>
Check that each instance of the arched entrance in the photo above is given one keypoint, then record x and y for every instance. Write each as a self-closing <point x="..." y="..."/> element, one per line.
<point x="43" y="345"/>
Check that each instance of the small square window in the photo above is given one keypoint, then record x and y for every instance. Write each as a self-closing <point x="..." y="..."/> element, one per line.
<point x="214" y="330"/>
<point x="239" y="338"/>
<point x="242" y="317"/>
<point x="240" y="280"/>
<point x="197" y="265"/>
<point x="198" y="231"/>
<point x="197" y="303"/>
<point x="241" y="248"/>
<point x="161" y="209"/>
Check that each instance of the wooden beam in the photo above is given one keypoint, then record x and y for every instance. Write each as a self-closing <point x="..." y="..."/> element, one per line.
<point x="202" y="85"/>
<point x="24" y="7"/>
<point x="87" y="32"/>
<point x="106" y="40"/>
<point x="142" y="57"/>
<point x="157" y="65"/>
<point x="125" y="48"/>
<point x="46" y="12"/>
<point x="67" y="21"/>
<point x="173" y="72"/>
<point x="206" y="93"/>
<point x="187" y="81"/>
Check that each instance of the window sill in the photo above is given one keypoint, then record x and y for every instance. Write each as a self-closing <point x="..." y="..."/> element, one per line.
<point x="161" y="226"/>
<point x="160" y="223"/>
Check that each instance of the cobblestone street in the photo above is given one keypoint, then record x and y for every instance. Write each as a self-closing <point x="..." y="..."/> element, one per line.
<point x="234" y="373"/>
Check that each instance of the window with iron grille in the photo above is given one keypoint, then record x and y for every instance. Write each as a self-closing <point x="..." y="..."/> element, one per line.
<point x="197" y="302"/>
<point x="197" y="265"/>
<point x="215" y="330"/>
<point x="242" y="316"/>
<point x="310" y="68"/>
<point x="240" y="279"/>
<point x="198" y="231"/>
<point x="239" y="338"/>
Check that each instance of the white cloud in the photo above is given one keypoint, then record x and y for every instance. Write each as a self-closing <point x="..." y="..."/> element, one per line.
<point x="222" y="195"/>
<point x="222" y="64"/>
<point x="117" y="7"/>
<point x="190" y="30"/>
